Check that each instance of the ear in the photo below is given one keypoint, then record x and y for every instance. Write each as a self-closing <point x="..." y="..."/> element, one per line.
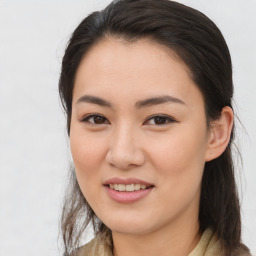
<point x="220" y="131"/>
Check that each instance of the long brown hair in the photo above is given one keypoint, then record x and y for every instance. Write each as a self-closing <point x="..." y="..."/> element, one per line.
<point x="201" y="46"/>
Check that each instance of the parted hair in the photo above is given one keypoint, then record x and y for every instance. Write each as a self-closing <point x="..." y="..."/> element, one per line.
<point x="200" y="45"/>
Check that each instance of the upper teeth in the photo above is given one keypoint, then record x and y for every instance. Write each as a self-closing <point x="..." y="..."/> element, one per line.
<point x="129" y="187"/>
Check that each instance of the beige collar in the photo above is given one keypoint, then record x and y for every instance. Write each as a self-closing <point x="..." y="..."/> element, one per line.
<point x="208" y="245"/>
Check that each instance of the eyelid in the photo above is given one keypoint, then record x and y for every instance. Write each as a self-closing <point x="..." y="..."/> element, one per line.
<point x="87" y="117"/>
<point x="168" y="118"/>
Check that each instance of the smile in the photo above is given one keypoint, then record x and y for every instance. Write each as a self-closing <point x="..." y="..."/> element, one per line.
<point x="127" y="191"/>
<point x="128" y="187"/>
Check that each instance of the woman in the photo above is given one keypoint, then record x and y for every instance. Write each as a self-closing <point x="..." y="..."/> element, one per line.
<point x="147" y="89"/>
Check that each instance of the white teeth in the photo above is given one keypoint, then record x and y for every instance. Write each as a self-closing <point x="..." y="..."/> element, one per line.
<point x="121" y="187"/>
<point x="129" y="187"/>
<point x="137" y="187"/>
<point x="143" y="186"/>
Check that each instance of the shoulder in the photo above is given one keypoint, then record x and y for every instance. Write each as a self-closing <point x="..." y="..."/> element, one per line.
<point x="241" y="251"/>
<point x="96" y="247"/>
<point x="87" y="249"/>
<point x="210" y="245"/>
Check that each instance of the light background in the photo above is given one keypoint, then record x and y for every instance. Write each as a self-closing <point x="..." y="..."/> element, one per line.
<point x="34" y="152"/>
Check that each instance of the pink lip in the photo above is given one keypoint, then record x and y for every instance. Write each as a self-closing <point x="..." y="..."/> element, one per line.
<point x="127" y="197"/>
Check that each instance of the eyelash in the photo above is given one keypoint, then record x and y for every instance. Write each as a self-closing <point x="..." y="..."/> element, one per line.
<point x="168" y="119"/>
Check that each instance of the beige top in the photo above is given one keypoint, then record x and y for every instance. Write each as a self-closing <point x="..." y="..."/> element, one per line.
<point x="207" y="246"/>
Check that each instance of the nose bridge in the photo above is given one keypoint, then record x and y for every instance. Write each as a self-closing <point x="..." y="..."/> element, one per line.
<point x="125" y="149"/>
<point x="123" y="135"/>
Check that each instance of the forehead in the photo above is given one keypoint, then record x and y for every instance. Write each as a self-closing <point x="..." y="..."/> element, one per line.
<point x="141" y="67"/>
<point x="111" y="50"/>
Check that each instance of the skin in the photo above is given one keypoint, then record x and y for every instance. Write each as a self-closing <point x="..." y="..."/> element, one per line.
<point x="129" y="142"/>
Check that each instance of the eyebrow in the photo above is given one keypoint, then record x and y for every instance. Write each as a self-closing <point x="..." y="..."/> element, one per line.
<point x="139" y="104"/>
<point x="94" y="100"/>
<point x="158" y="100"/>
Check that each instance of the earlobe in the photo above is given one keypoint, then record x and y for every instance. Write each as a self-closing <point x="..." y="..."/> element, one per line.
<point x="220" y="132"/>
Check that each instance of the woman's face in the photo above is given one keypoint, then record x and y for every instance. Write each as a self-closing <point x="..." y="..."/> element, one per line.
<point x="138" y="137"/>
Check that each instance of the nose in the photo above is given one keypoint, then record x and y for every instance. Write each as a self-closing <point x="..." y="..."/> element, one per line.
<point x="125" y="150"/>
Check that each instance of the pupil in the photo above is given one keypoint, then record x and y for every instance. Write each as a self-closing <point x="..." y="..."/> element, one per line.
<point x="98" y="120"/>
<point x="160" y="120"/>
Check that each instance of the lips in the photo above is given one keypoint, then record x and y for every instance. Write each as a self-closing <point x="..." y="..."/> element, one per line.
<point x="127" y="190"/>
<point x="130" y="184"/>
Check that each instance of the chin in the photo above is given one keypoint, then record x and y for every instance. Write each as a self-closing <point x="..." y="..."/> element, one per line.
<point x="131" y="225"/>
<point x="129" y="229"/>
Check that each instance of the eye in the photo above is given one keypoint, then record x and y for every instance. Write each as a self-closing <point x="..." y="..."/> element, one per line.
<point x="160" y="120"/>
<point x="95" y="119"/>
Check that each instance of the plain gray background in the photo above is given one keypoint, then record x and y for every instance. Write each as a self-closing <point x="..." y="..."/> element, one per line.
<point x="34" y="152"/>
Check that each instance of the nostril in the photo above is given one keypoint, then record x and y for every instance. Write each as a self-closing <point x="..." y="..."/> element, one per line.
<point x="124" y="159"/>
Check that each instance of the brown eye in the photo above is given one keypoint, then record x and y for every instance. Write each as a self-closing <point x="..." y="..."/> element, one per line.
<point x="95" y="119"/>
<point x="98" y="120"/>
<point x="160" y="120"/>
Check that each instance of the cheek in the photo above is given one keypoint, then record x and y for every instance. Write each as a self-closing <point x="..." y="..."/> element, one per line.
<point x="87" y="152"/>
<point x="178" y="150"/>
<point x="180" y="162"/>
<point x="87" y="157"/>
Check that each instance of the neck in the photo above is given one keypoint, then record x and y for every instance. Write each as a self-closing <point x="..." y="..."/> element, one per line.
<point x="178" y="240"/>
